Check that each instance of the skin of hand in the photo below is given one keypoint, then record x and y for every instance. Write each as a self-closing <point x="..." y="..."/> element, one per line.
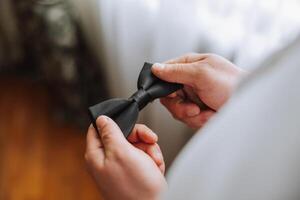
<point x="125" y="169"/>
<point x="206" y="77"/>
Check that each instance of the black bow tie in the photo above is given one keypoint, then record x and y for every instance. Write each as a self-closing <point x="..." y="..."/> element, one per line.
<point x="125" y="111"/>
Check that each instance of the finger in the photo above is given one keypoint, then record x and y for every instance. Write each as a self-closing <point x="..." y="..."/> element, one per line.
<point x="176" y="73"/>
<point x="159" y="161"/>
<point x="152" y="150"/>
<point x="92" y="139"/>
<point x="188" y="58"/>
<point x="111" y="136"/>
<point x="94" y="153"/>
<point x="162" y="167"/>
<point x="179" y="108"/>
<point x="142" y="133"/>
<point x="199" y="120"/>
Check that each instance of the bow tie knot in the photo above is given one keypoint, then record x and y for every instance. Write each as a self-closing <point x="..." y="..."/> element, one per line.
<point x="141" y="97"/>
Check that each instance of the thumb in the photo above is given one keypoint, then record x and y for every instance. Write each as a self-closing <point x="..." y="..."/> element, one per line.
<point x="176" y="73"/>
<point x="110" y="134"/>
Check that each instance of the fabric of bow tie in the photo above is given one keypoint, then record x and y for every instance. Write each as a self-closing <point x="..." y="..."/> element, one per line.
<point x="125" y="111"/>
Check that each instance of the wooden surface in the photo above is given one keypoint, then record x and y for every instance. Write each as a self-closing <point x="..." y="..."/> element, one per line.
<point x="39" y="159"/>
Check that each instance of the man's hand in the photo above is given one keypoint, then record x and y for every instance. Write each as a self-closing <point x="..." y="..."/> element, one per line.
<point x="206" y="77"/>
<point x="124" y="169"/>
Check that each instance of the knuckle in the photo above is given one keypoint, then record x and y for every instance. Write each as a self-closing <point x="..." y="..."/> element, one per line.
<point x="211" y="57"/>
<point x="189" y="56"/>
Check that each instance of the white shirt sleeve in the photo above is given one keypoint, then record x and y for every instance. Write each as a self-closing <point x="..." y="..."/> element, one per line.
<point x="250" y="149"/>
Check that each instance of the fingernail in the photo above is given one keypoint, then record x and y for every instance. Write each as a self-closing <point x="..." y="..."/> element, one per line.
<point x="193" y="112"/>
<point x="157" y="153"/>
<point x="158" y="66"/>
<point x="158" y="156"/>
<point x="155" y="136"/>
<point x="103" y="118"/>
<point x="101" y="121"/>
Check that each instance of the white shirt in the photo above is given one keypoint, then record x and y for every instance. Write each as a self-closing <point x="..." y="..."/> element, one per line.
<point x="251" y="148"/>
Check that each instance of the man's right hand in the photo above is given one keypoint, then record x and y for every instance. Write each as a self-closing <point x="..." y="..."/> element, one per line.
<point x="206" y="77"/>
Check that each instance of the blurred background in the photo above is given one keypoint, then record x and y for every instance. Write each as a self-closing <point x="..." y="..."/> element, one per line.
<point x="57" y="57"/>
